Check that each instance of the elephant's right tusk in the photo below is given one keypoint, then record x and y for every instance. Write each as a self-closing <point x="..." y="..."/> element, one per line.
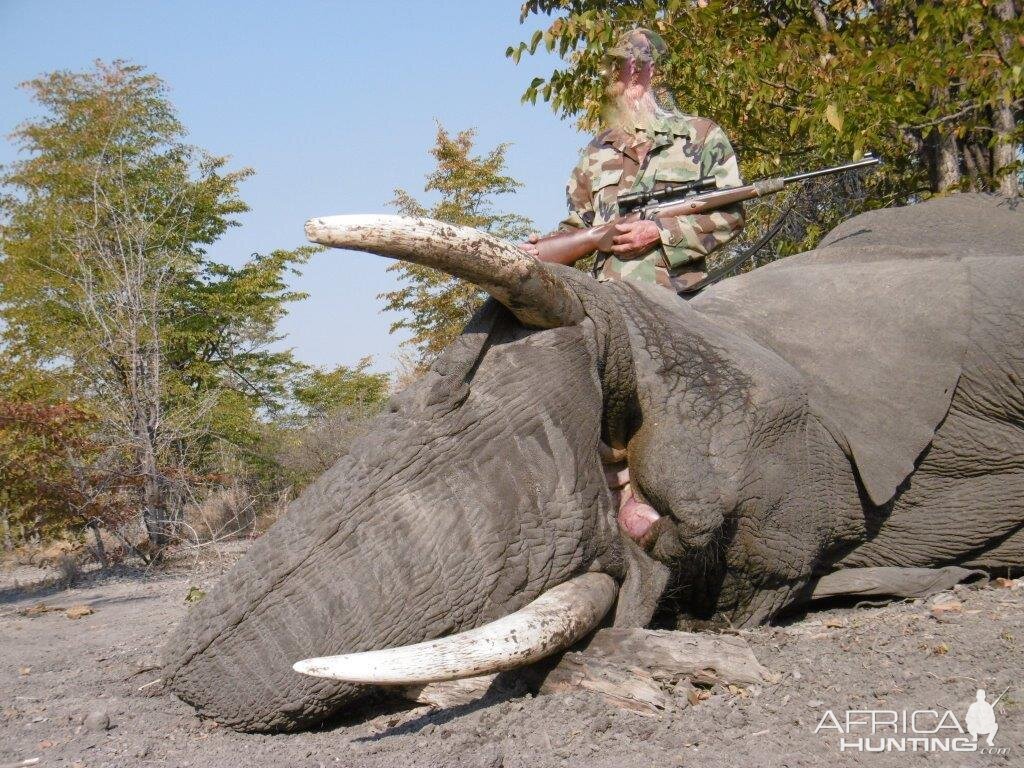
<point x="534" y="293"/>
<point x="551" y="623"/>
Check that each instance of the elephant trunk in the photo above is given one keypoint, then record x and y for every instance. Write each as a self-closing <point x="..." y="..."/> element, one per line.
<point x="424" y="530"/>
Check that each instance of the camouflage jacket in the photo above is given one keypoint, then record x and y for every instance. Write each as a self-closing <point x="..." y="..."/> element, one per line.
<point x="671" y="150"/>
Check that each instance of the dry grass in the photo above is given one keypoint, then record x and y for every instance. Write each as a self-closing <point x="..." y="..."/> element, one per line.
<point x="224" y="513"/>
<point x="231" y="512"/>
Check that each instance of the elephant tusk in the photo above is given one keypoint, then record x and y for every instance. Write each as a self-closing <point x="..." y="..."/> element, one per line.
<point x="535" y="294"/>
<point x="551" y="623"/>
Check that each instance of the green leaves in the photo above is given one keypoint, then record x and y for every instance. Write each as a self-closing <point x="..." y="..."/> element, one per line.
<point x="532" y="91"/>
<point x="435" y="306"/>
<point x="535" y="40"/>
<point x="834" y="117"/>
<point x="323" y="393"/>
<point x="804" y="84"/>
<point x="107" y="296"/>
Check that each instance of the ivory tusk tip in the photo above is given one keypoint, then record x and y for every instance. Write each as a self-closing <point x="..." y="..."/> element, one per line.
<point x="553" y="621"/>
<point x="316" y="231"/>
<point x="306" y="667"/>
<point x="339" y="230"/>
<point x="346" y="668"/>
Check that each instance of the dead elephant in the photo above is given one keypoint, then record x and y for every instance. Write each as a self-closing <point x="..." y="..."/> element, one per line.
<point x="859" y="406"/>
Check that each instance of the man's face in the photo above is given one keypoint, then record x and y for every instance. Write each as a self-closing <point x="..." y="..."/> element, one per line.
<point x="634" y="79"/>
<point x="628" y="96"/>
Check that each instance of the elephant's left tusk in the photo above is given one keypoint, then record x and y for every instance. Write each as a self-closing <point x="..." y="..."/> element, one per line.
<point x="552" y="622"/>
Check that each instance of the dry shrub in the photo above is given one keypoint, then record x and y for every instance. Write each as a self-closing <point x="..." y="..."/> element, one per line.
<point x="408" y="370"/>
<point x="225" y="512"/>
<point x="65" y="556"/>
<point x="112" y="546"/>
<point x="69" y="570"/>
<point x="51" y="554"/>
<point x="270" y="513"/>
<point x="319" y="444"/>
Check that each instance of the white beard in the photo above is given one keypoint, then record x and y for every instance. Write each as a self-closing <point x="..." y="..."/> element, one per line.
<point x="625" y="110"/>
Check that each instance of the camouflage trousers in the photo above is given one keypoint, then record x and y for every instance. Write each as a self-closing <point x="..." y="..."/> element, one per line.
<point x="651" y="269"/>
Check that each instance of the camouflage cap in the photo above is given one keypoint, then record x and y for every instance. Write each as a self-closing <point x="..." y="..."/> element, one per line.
<point x="639" y="44"/>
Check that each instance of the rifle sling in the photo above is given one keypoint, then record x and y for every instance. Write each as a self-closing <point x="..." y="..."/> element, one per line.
<point x="735" y="262"/>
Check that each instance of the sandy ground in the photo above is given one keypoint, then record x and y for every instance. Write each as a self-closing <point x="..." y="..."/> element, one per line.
<point x="55" y="671"/>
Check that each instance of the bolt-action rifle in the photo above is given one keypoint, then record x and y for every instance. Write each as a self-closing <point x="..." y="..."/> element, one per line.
<point x="694" y="197"/>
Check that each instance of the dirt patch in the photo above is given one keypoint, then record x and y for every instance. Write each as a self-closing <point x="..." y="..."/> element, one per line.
<point x="71" y="692"/>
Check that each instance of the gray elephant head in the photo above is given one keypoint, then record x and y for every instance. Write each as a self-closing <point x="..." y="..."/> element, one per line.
<point x="797" y="421"/>
<point x="478" y="490"/>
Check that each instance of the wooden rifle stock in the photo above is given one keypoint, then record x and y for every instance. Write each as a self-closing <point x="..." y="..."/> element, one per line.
<point x="570" y="246"/>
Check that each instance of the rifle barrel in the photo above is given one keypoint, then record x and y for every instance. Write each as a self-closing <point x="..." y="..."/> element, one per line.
<point x="868" y="160"/>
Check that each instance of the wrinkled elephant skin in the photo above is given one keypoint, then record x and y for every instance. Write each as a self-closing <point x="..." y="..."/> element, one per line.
<point x="856" y="406"/>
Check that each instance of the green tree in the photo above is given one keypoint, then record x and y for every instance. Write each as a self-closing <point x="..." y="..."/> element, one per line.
<point x="934" y="87"/>
<point x="322" y="393"/>
<point x="436" y="306"/>
<point x="107" y="294"/>
<point x="332" y="409"/>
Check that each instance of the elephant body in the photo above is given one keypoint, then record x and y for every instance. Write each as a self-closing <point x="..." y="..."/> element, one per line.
<point x="902" y="338"/>
<point x="854" y="407"/>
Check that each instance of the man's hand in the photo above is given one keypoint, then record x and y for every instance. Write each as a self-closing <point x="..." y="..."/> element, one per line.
<point x="635" y="238"/>
<point x="529" y="246"/>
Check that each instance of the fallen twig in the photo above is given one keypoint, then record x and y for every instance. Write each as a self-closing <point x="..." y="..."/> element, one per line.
<point x="27" y="761"/>
<point x="151" y="682"/>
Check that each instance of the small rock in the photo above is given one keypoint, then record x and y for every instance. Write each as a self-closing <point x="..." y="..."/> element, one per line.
<point x="815" y="703"/>
<point x="97" y="721"/>
<point x="947" y="610"/>
<point x="697" y="695"/>
<point x="683" y="686"/>
<point x="78" y="611"/>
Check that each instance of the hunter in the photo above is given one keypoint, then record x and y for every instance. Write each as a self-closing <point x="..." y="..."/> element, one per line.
<point x="645" y="144"/>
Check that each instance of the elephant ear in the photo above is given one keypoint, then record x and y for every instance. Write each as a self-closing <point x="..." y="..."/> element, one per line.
<point x="877" y="321"/>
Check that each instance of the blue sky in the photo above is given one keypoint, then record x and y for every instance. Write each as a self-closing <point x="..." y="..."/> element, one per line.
<point x="332" y="103"/>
